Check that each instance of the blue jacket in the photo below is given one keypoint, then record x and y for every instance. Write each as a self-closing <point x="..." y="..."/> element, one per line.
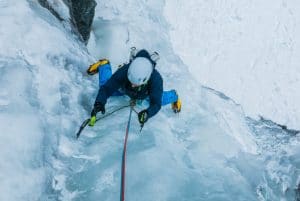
<point x="153" y="89"/>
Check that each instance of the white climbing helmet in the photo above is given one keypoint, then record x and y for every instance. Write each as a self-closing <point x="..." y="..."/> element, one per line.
<point x="139" y="71"/>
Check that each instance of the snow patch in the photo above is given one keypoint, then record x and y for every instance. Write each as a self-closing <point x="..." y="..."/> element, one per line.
<point x="247" y="50"/>
<point x="58" y="184"/>
<point x="4" y="100"/>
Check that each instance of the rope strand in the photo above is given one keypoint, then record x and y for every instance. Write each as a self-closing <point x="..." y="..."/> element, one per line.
<point x="122" y="196"/>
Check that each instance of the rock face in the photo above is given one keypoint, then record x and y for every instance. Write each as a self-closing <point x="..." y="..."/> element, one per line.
<point x="82" y="14"/>
<point x="47" y="5"/>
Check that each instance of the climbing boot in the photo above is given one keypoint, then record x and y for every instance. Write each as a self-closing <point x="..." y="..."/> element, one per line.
<point x="94" y="68"/>
<point x="176" y="106"/>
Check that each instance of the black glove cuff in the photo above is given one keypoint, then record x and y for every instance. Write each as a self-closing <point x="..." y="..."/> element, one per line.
<point x="98" y="106"/>
<point x="93" y="113"/>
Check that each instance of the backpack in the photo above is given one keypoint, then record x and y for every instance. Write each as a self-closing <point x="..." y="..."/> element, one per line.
<point x="154" y="57"/>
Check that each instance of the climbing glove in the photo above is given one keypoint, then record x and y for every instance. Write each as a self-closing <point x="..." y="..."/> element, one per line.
<point x="143" y="116"/>
<point x="98" y="107"/>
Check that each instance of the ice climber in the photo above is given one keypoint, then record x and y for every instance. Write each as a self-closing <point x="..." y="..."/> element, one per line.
<point x="138" y="79"/>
